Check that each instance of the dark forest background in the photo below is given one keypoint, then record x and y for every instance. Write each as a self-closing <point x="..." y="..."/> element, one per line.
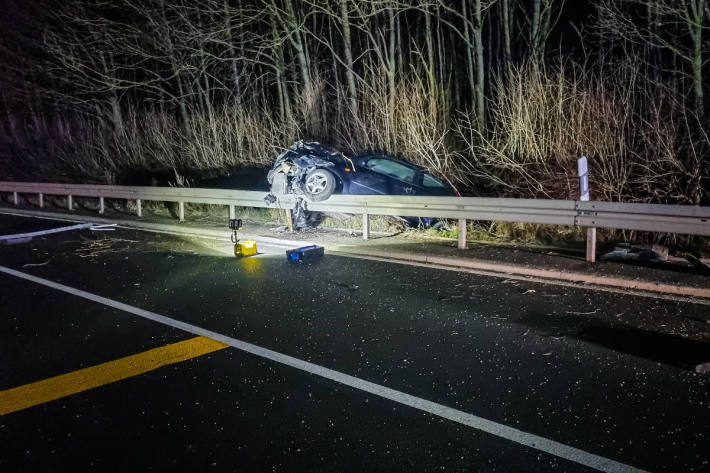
<point x="498" y="95"/>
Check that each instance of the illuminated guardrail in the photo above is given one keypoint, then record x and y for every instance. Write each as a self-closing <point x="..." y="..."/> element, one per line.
<point x="678" y="219"/>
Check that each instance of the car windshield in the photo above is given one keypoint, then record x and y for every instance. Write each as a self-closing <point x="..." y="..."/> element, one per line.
<point x="392" y="168"/>
<point x="430" y="181"/>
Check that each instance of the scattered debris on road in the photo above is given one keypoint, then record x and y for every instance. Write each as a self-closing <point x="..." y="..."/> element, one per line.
<point x="305" y="254"/>
<point x="31" y="265"/>
<point x="635" y="252"/>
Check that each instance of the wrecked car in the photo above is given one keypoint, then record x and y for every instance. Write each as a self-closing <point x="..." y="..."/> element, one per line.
<point x="316" y="171"/>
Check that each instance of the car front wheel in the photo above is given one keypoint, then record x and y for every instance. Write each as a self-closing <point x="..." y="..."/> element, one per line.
<point x="319" y="185"/>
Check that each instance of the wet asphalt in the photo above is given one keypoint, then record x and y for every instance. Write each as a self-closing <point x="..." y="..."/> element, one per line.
<point x="585" y="368"/>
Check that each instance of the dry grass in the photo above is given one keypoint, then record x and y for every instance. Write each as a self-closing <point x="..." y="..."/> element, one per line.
<point x="542" y="121"/>
<point x="415" y="123"/>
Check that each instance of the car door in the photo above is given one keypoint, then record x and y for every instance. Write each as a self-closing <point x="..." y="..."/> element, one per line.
<point x="366" y="182"/>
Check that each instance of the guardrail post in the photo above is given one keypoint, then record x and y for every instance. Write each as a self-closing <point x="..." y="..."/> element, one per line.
<point x="70" y="203"/>
<point x="232" y="212"/>
<point x="591" y="244"/>
<point x="181" y="208"/>
<point x="41" y="200"/>
<point x="101" y="205"/>
<point x="365" y="226"/>
<point x="289" y="220"/>
<point x="139" y="208"/>
<point x="14" y="197"/>
<point x="462" y="234"/>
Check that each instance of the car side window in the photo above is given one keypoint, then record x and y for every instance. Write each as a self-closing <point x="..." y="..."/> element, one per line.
<point x="392" y="168"/>
<point x="430" y="181"/>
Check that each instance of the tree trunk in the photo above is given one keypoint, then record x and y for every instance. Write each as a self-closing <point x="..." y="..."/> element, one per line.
<point x="470" y="61"/>
<point x="506" y="31"/>
<point x="480" y="88"/>
<point x="696" y="16"/>
<point x="430" y="50"/>
<point x="347" y="49"/>
<point x="392" y="60"/>
<point x="281" y="84"/>
<point x="236" y="93"/>
<point x="535" y="28"/>
<point x="116" y="116"/>
<point x="296" y="39"/>
<point x="540" y="27"/>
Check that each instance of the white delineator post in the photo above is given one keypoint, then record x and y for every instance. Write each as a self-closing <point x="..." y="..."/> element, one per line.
<point x="181" y="208"/>
<point x="41" y="200"/>
<point x="14" y="197"/>
<point x="139" y="208"/>
<point x="583" y="170"/>
<point x="101" y="205"/>
<point x="70" y="203"/>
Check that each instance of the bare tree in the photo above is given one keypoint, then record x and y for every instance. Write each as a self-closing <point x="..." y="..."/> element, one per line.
<point x="675" y="26"/>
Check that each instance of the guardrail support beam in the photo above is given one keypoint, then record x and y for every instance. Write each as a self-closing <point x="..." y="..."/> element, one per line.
<point x="14" y="198"/>
<point x="181" y="210"/>
<point x="41" y="200"/>
<point x="139" y="208"/>
<point x="462" y="234"/>
<point x="591" y="245"/>
<point x="365" y="226"/>
<point x="232" y="212"/>
<point x="101" y="205"/>
<point x="70" y="203"/>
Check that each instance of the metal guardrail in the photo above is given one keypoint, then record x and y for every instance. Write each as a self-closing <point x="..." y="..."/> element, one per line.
<point x="624" y="216"/>
<point x="681" y="219"/>
<point x="165" y="194"/>
<point x="554" y="212"/>
<point x="181" y="195"/>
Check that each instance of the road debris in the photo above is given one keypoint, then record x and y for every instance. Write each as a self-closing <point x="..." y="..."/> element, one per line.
<point x="633" y="252"/>
<point x="109" y="227"/>
<point x="94" y="247"/>
<point x="581" y="313"/>
<point x="352" y="287"/>
<point x="31" y="265"/>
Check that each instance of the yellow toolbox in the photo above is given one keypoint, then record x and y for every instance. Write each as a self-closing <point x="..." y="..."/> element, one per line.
<point x="245" y="248"/>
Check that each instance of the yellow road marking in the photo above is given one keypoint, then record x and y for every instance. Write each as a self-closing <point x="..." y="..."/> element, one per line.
<point x="32" y="394"/>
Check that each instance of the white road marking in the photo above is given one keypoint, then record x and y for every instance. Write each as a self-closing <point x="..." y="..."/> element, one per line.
<point x="514" y="435"/>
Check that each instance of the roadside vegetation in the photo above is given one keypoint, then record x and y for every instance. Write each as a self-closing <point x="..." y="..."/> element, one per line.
<point x="498" y="97"/>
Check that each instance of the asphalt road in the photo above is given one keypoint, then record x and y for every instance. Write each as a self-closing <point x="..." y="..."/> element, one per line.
<point x="381" y="356"/>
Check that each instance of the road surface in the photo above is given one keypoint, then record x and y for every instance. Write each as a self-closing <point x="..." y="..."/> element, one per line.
<point x="168" y="354"/>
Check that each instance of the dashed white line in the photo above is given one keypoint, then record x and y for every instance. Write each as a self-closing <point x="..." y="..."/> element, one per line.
<point x="536" y="442"/>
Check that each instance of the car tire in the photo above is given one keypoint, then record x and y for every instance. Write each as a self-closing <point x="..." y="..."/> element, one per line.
<point x="319" y="184"/>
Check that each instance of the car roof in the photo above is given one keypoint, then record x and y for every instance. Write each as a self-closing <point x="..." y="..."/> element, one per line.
<point x="330" y="153"/>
